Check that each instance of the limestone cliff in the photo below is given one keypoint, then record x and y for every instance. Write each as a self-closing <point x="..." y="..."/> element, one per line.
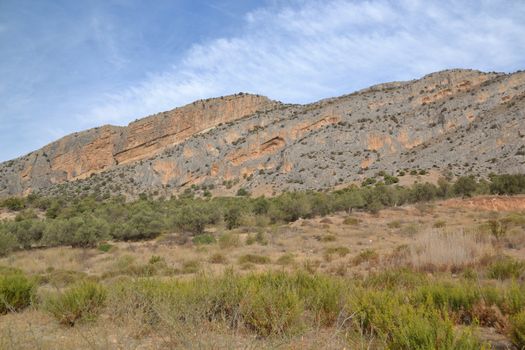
<point x="455" y="121"/>
<point x="82" y="154"/>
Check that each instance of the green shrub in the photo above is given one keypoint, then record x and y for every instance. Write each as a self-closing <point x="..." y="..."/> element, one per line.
<point x="453" y="297"/>
<point x="402" y="326"/>
<point x="204" y="239"/>
<point x="105" y="247"/>
<point x="156" y="260"/>
<point x="254" y="259"/>
<point x="505" y="268"/>
<point x="517" y="331"/>
<point x="242" y="192"/>
<point x="81" y="302"/>
<point x="14" y="203"/>
<point x="507" y="184"/>
<point x="465" y="186"/>
<point x="232" y="217"/>
<point x="8" y="242"/>
<point x="16" y="292"/>
<point x="271" y="310"/>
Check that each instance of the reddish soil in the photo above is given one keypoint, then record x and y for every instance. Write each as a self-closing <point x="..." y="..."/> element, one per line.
<point x="492" y="203"/>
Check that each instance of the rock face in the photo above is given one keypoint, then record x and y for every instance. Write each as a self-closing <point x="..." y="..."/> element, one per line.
<point x="80" y="155"/>
<point x="457" y="121"/>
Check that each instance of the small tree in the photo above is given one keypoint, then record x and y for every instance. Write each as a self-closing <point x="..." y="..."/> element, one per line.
<point x="465" y="186"/>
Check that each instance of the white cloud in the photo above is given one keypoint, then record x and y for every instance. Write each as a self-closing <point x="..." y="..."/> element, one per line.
<point x="326" y="48"/>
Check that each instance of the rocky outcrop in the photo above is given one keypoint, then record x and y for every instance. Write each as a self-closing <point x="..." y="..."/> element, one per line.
<point x="82" y="154"/>
<point x="455" y="121"/>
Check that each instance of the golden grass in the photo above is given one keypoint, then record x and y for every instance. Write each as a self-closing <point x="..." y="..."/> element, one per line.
<point x="447" y="250"/>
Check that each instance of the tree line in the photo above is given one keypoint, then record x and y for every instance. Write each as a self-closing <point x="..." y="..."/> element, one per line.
<point x="86" y="221"/>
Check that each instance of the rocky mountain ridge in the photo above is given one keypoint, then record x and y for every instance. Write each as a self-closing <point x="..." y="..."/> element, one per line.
<point x="454" y="121"/>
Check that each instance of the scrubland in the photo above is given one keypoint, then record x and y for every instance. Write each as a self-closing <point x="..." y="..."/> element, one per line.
<point x="445" y="274"/>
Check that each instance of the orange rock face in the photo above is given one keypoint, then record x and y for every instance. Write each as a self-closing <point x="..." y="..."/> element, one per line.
<point x="79" y="155"/>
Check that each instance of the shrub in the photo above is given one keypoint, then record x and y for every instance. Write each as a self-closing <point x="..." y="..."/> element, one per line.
<point x="81" y="302"/>
<point x="465" y="186"/>
<point x="505" y="268"/>
<point x="498" y="228"/>
<point x="190" y="266"/>
<point x="507" y="184"/>
<point x="439" y="224"/>
<point x="204" y="239"/>
<point x="105" y="247"/>
<point x="403" y="326"/>
<point x="351" y="221"/>
<point x="242" y="192"/>
<point x="232" y="217"/>
<point x="328" y="238"/>
<point x="517" y="332"/>
<point x="341" y="251"/>
<point x="7" y="242"/>
<point x="394" y="224"/>
<point x="366" y="255"/>
<point x="229" y="240"/>
<point x="286" y="259"/>
<point x="16" y="292"/>
<point x="14" y="203"/>
<point x="218" y="258"/>
<point x="254" y="259"/>
<point x="271" y="310"/>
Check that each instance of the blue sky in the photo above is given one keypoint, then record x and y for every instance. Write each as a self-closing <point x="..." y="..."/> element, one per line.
<point x="70" y="65"/>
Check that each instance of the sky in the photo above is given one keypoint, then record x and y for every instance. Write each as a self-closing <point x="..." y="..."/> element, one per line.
<point x="69" y="65"/>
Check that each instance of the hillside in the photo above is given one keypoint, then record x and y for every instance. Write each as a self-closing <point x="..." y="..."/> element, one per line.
<point x="455" y="122"/>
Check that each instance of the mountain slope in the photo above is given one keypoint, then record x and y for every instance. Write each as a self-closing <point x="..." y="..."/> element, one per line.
<point x="462" y="121"/>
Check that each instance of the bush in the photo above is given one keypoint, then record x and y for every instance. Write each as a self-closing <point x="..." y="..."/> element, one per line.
<point x="105" y="247"/>
<point x="254" y="259"/>
<point x="517" y="332"/>
<point x="16" y="292"/>
<point x="218" y="258"/>
<point x="286" y="259"/>
<point x="505" y="268"/>
<point x="366" y="255"/>
<point x="204" y="239"/>
<point x="229" y="240"/>
<point x="507" y="184"/>
<point x="341" y="251"/>
<point x="7" y="242"/>
<point x="14" y="203"/>
<point x="351" y="221"/>
<point x="242" y="192"/>
<point x="402" y="326"/>
<point x="271" y="309"/>
<point x="465" y="186"/>
<point x="232" y="217"/>
<point x="81" y="302"/>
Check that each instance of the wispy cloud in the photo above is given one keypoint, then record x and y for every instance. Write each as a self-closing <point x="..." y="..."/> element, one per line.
<point x="322" y="48"/>
<point x="67" y="66"/>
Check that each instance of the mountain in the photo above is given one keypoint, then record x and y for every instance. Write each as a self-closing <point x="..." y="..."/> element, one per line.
<point x="450" y="122"/>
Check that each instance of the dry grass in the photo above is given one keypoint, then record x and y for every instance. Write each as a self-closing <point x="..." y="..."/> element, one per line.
<point x="447" y="250"/>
